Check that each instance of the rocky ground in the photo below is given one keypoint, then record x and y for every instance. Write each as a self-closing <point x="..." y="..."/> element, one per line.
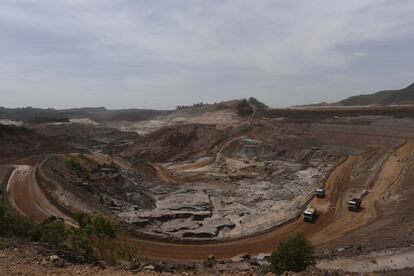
<point x="189" y="179"/>
<point x="20" y="257"/>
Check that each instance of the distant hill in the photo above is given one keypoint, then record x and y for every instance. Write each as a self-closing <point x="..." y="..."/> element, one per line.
<point x="386" y="97"/>
<point x="403" y="96"/>
<point x="99" y="114"/>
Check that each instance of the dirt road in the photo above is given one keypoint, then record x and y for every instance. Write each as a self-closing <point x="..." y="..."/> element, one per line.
<point x="387" y="178"/>
<point x="26" y="196"/>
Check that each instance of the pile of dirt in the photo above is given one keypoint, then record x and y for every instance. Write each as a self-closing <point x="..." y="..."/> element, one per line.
<point x="175" y="143"/>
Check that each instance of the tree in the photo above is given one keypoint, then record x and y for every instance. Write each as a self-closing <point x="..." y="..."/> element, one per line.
<point x="296" y="254"/>
<point x="51" y="231"/>
<point x="258" y="104"/>
<point x="91" y="232"/>
<point x="244" y="109"/>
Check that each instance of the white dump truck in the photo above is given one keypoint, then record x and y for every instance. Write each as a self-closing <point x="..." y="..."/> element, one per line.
<point x="354" y="204"/>
<point x="309" y="215"/>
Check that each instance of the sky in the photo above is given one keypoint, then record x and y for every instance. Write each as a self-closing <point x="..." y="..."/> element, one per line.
<point x="163" y="53"/>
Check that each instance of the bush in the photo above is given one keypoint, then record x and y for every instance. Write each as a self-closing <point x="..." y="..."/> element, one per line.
<point x="93" y="232"/>
<point x="102" y="227"/>
<point x="15" y="225"/>
<point x="296" y="254"/>
<point x="244" y="108"/>
<point x="95" y="237"/>
<point x="51" y="231"/>
<point x="75" y="166"/>
<point x="19" y="226"/>
<point x="258" y="104"/>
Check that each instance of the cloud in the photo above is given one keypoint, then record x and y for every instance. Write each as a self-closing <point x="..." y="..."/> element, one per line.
<point x="157" y="54"/>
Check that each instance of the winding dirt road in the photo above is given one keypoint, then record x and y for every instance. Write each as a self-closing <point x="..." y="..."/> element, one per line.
<point x="26" y="196"/>
<point x="334" y="221"/>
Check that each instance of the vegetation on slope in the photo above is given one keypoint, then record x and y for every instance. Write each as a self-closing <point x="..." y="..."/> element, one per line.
<point x="244" y="109"/>
<point x="296" y="254"/>
<point x="95" y="238"/>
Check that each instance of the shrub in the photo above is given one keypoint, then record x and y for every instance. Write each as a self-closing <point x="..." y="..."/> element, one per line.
<point x="51" y="231"/>
<point x="258" y="104"/>
<point x="75" y="166"/>
<point x="82" y="219"/>
<point x="19" y="226"/>
<point x="80" y="241"/>
<point x="93" y="232"/>
<point x="244" y="108"/>
<point x="12" y="224"/>
<point x="296" y="254"/>
<point x="95" y="237"/>
<point x="102" y="227"/>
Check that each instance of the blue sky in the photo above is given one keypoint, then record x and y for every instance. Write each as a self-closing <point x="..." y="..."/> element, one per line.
<point x="158" y="54"/>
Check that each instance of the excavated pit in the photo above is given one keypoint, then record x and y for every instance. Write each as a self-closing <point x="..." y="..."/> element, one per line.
<point x="241" y="186"/>
<point x="199" y="182"/>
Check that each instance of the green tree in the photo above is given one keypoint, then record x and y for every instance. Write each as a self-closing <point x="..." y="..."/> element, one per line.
<point x="102" y="227"/>
<point x="244" y="108"/>
<point x="51" y="231"/>
<point x="91" y="232"/>
<point x="296" y="254"/>
<point x="11" y="224"/>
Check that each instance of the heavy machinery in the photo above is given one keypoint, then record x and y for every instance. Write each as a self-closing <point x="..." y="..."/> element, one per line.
<point x="309" y="215"/>
<point x="320" y="193"/>
<point x="354" y="204"/>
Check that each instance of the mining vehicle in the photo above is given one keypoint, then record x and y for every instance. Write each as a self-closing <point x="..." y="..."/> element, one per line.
<point x="309" y="215"/>
<point x="354" y="204"/>
<point x="320" y="193"/>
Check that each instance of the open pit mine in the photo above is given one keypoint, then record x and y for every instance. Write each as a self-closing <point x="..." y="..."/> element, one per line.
<point x="186" y="184"/>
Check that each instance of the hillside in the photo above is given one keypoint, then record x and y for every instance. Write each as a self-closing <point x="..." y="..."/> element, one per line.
<point x="16" y="142"/>
<point x="386" y="97"/>
<point x="29" y="114"/>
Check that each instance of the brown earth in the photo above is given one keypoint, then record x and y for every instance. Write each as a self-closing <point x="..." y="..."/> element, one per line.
<point x="386" y="210"/>
<point x="40" y="208"/>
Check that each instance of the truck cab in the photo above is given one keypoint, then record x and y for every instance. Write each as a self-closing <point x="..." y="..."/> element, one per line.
<point x="320" y="193"/>
<point x="354" y="204"/>
<point x="309" y="215"/>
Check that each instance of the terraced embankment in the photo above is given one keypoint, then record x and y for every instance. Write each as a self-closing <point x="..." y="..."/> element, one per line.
<point x="375" y="167"/>
<point x="29" y="200"/>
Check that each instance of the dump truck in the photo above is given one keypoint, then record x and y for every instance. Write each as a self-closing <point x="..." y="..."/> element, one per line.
<point x="320" y="193"/>
<point x="309" y="215"/>
<point x="354" y="204"/>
